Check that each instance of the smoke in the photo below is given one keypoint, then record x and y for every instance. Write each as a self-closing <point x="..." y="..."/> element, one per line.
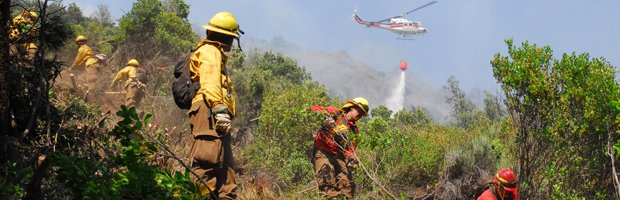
<point x="397" y="100"/>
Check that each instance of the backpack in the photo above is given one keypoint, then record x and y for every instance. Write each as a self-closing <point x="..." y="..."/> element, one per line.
<point x="101" y="57"/>
<point x="183" y="89"/>
<point x="142" y="77"/>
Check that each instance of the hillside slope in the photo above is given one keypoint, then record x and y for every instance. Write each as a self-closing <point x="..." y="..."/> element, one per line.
<point x="347" y="77"/>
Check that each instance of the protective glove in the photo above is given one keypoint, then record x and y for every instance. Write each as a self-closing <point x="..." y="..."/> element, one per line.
<point x="222" y="123"/>
<point x="352" y="162"/>
<point x="329" y="123"/>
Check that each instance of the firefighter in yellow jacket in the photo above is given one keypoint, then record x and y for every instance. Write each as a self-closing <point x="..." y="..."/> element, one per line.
<point x="212" y="108"/>
<point x="23" y="34"/>
<point x="134" y="86"/>
<point x="85" y="61"/>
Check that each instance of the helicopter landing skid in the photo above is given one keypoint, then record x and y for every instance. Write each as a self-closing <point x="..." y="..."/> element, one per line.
<point x="405" y="38"/>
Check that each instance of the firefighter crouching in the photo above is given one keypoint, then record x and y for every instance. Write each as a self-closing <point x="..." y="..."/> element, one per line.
<point x="85" y="61"/>
<point x="335" y="151"/>
<point x="135" y="84"/>
<point x="504" y="187"/>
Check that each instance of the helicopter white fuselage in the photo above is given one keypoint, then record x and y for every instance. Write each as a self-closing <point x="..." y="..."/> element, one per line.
<point x="399" y="26"/>
<point x="403" y="26"/>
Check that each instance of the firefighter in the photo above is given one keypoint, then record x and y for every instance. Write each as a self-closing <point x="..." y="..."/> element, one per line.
<point x="334" y="154"/>
<point x="503" y="187"/>
<point x="23" y="23"/>
<point x="213" y="108"/>
<point x="85" y="62"/>
<point x="135" y="84"/>
<point x="23" y="34"/>
<point x="31" y="51"/>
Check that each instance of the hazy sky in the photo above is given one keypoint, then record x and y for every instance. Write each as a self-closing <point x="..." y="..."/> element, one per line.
<point x="464" y="34"/>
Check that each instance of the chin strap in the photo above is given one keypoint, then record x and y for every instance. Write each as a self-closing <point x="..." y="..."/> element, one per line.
<point x="239" y="42"/>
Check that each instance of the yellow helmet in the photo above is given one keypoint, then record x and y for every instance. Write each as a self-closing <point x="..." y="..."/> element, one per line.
<point x="14" y="34"/>
<point x="80" y="38"/>
<point x="33" y="15"/>
<point x="19" y="19"/>
<point x="133" y="62"/>
<point x="359" y="102"/>
<point x="223" y="22"/>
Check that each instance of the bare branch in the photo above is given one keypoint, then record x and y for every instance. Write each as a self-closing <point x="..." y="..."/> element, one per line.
<point x="374" y="180"/>
<point x="610" y="152"/>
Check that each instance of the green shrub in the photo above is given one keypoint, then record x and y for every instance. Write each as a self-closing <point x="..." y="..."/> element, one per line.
<point x="126" y="173"/>
<point x="13" y="180"/>
<point x="561" y="110"/>
<point x="284" y="138"/>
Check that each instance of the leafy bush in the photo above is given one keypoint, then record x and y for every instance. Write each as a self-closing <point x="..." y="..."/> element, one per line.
<point x="284" y="136"/>
<point x="415" y="116"/>
<point x="126" y="173"/>
<point x="403" y="155"/>
<point x="464" y="169"/>
<point x="167" y="25"/>
<point x="13" y="180"/>
<point x="561" y="110"/>
<point x="381" y="111"/>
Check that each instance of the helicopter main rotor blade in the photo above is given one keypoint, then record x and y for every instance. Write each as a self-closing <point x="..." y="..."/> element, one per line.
<point x="403" y="15"/>
<point x="428" y="4"/>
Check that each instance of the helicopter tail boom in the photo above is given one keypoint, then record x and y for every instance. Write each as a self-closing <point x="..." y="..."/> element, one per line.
<point x="359" y="20"/>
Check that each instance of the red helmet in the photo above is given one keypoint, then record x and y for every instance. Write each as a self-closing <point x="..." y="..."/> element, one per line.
<point x="506" y="178"/>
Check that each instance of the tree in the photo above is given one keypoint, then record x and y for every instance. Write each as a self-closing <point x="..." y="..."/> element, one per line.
<point x="381" y="111"/>
<point x="178" y="7"/>
<point x="415" y="116"/>
<point x="493" y="107"/>
<point x="149" y="20"/>
<point x="30" y="80"/>
<point x="5" y="105"/>
<point x="463" y="110"/>
<point x="565" y="124"/>
<point x="278" y="65"/>
<point x="74" y="15"/>
<point x="25" y="76"/>
<point x="103" y="16"/>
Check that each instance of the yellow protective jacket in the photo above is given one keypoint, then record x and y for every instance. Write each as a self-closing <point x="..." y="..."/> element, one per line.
<point x="129" y="72"/>
<point x="207" y="65"/>
<point x="84" y="57"/>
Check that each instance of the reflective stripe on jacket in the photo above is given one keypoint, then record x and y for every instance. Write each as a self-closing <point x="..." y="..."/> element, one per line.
<point x="207" y="65"/>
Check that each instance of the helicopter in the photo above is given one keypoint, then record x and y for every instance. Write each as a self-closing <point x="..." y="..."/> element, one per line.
<point x="397" y="24"/>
